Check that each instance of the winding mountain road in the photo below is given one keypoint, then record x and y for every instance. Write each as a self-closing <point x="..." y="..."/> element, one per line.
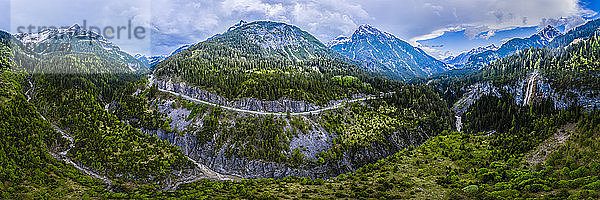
<point x="338" y="105"/>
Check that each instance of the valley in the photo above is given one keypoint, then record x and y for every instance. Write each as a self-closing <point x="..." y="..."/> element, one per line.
<point x="265" y="110"/>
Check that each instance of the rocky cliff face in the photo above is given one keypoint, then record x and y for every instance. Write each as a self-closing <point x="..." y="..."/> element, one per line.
<point x="311" y="143"/>
<point x="472" y="94"/>
<point x="531" y="88"/>
<point x="252" y="104"/>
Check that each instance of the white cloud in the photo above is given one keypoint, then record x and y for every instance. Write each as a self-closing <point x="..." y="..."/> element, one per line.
<point x="176" y="22"/>
<point x="275" y="10"/>
<point x="420" y="18"/>
<point x="193" y="21"/>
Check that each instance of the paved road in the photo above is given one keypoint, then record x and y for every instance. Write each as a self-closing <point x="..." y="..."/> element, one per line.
<point x="338" y="105"/>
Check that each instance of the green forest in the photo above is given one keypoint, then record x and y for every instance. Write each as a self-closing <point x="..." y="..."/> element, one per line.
<point x="62" y="113"/>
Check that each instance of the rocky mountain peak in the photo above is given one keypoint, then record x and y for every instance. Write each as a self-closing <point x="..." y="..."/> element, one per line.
<point x="367" y="29"/>
<point x="383" y="52"/>
<point x="239" y="24"/>
<point x="75" y="27"/>
<point x="338" y="40"/>
<point x="549" y="33"/>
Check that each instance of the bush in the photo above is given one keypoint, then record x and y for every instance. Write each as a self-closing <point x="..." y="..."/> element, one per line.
<point x="471" y="189"/>
<point x="592" y="186"/>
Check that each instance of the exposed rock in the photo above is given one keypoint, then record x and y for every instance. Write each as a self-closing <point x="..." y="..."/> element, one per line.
<point x="530" y="89"/>
<point x="474" y="92"/>
<point x="314" y="141"/>
<point x="279" y="106"/>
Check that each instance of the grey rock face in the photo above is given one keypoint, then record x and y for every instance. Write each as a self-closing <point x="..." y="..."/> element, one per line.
<point x="530" y="89"/>
<point x="474" y="92"/>
<point x="313" y="142"/>
<point x="279" y="106"/>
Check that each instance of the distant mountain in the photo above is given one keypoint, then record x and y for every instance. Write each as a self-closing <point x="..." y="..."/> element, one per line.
<point x="541" y="39"/>
<point x="454" y="42"/>
<point x="460" y="60"/>
<point x="383" y="52"/>
<point x="273" y="39"/>
<point x="582" y="32"/>
<point x="151" y="61"/>
<point x="268" y="61"/>
<point x="76" y="40"/>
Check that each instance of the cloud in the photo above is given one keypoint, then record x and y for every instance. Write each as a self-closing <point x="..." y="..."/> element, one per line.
<point x="182" y="22"/>
<point x="418" y="18"/>
<point x="177" y="22"/>
<point x="272" y="10"/>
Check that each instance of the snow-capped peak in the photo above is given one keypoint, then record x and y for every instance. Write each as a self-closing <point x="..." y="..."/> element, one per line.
<point x="75" y="27"/>
<point x="367" y="29"/>
<point x="463" y="58"/>
<point x="338" y="40"/>
<point x="490" y="47"/>
<point x="549" y="33"/>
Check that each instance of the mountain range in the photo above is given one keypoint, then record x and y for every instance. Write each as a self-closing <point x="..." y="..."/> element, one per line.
<point x="265" y="110"/>
<point x="150" y="61"/>
<point x="479" y="57"/>
<point x="384" y="53"/>
<point x="460" y="60"/>
<point x="75" y="40"/>
<point x="262" y="50"/>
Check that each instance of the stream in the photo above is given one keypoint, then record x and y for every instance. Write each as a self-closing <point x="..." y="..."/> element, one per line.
<point x="62" y="156"/>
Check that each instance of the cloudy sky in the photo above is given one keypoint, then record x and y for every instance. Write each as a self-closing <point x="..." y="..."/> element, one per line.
<point x="171" y="23"/>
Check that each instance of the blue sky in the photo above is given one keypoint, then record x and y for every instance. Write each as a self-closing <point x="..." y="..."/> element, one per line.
<point x="591" y="4"/>
<point x="453" y="42"/>
<point x="171" y="23"/>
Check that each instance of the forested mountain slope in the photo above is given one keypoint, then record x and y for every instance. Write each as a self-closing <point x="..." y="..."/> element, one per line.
<point x="274" y="67"/>
<point x="116" y="121"/>
<point x="73" y="103"/>
<point x="530" y="125"/>
<point x="534" y="147"/>
<point x="268" y="61"/>
<point x="76" y="41"/>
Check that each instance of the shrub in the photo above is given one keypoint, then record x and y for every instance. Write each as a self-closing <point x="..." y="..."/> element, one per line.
<point x="471" y="189"/>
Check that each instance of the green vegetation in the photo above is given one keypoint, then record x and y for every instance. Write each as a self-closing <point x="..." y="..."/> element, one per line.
<point x="102" y="141"/>
<point x="235" y="65"/>
<point x="74" y="102"/>
<point x="405" y="118"/>
<point x="452" y="165"/>
<point x="410" y="116"/>
<point x="138" y="110"/>
<point x="27" y="170"/>
<point x="499" y="155"/>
